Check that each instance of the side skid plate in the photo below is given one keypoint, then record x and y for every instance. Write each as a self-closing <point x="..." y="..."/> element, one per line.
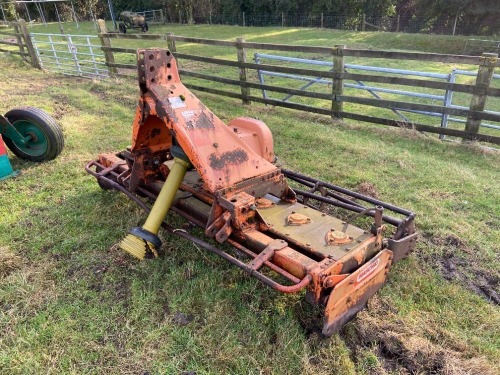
<point x="351" y="294"/>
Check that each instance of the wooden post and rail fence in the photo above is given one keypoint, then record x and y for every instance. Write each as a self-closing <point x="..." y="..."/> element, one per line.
<point x="474" y="115"/>
<point x="479" y="91"/>
<point x="19" y="37"/>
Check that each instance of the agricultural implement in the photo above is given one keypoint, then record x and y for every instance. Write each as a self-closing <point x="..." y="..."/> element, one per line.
<point x="131" y="20"/>
<point x="223" y="179"/>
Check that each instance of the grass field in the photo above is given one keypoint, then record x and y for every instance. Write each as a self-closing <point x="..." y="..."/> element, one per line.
<point x="302" y="36"/>
<point x="325" y="37"/>
<point x="71" y="302"/>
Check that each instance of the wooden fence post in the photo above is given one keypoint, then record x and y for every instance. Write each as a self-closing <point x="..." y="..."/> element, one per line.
<point x="171" y="42"/>
<point x="478" y="100"/>
<point x="29" y="45"/>
<point x="20" y="43"/>
<point x="337" y="82"/>
<point x="242" y="59"/>
<point x="321" y="20"/>
<point x="397" y="25"/>
<point x="105" y="42"/>
<point x="363" y="24"/>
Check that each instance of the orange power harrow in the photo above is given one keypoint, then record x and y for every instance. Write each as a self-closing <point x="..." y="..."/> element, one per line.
<point x="223" y="179"/>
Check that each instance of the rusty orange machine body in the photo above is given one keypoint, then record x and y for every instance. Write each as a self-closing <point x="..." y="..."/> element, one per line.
<point x="233" y="190"/>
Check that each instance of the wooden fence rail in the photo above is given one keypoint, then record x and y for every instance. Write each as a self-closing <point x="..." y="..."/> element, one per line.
<point x="22" y="41"/>
<point x="479" y="91"/>
<point x="474" y="114"/>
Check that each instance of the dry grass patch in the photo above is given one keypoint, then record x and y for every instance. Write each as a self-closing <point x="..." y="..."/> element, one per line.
<point x="9" y="261"/>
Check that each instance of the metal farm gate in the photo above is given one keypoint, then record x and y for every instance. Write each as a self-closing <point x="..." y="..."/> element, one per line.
<point x="77" y="55"/>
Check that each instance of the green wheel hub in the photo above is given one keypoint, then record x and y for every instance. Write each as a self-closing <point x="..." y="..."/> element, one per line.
<point x="36" y="140"/>
<point x="36" y="136"/>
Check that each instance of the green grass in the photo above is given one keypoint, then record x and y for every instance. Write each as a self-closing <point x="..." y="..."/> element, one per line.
<point x="71" y="302"/>
<point x="319" y="37"/>
<point x="302" y="36"/>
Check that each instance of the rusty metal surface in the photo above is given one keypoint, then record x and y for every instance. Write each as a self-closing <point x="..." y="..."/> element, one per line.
<point x="239" y="197"/>
<point x="297" y="219"/>
<point x="267" y="253"/>
<point x="336" y="237"/>
<point x="216" y="152"/>
<point x="263" y="203"/>
<point x="352" y="293"/>
<point x="256" y="134"/>
<point x="313" y="231"/>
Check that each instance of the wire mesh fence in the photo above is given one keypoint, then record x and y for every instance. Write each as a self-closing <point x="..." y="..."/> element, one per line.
<point x="447" y="25"/>
<point x="486" y="25"/>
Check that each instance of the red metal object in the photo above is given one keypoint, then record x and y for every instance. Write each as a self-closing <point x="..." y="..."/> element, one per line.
<point x="5" y="167"/>
<point x="239" y="196"/>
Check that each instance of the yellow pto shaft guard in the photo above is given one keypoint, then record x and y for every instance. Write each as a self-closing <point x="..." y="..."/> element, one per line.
<point x="142" y="242"/>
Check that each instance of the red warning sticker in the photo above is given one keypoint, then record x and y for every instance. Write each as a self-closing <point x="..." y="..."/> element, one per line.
<point x="368" y="271"/>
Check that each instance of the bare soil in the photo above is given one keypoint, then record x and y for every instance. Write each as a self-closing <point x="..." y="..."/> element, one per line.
<point x="409" y="349"/>
<point x="464" y="270"/>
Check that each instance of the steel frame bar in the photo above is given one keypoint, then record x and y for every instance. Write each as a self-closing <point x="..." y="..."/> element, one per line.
<point x="299" y="284"/>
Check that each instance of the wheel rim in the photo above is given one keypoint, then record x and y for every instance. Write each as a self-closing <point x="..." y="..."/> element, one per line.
<point x="37" y="145"/>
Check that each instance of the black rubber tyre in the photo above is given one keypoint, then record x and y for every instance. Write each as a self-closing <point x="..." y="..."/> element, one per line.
<point x="47" y="136"/>
<point x="123" y="28"/>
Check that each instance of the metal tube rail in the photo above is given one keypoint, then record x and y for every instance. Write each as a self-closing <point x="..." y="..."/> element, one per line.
<point x="485" y="125"/>
<point x="354" y="86"/>
<point x="67" y="58"/>
<point x="84" y="70"/>
<point x="368" y="212"/>
<point x="328" y="193"/>
<point x="472" y="74"/>
<point x="353" y="66"/>
<point x="82" y="75"/>
<point x="66" y="44"/>
<point x="62" y="51"/>
<point x="259" y="276"/>
<point x="376" y="202"/>
<point x="285" y="75"/>
<point x="397" y="92"/>
<point x="181" y="233"/>
<point x="64" y="35"/>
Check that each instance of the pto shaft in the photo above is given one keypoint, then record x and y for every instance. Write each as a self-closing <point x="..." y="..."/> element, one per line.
<point x="145" y="241"/>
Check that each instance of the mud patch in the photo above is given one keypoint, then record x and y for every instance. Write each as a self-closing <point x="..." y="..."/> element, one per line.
<point x="455" y="268"/>
<point x="61" y="107"/>
<point x="367" y="189"/>
<point x="182" y="319"/>
<point x="450" y="240"/>
<point x="309" y="318"/>
<point x="105" y="95"/>
<point x="405" y="348"/>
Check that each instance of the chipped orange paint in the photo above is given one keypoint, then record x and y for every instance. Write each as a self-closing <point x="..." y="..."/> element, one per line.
<point x="215" y="150"/>
<point x="238" y="190"/>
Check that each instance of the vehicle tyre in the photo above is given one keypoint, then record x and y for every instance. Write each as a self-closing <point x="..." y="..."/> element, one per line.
<point x="47" y="140"/>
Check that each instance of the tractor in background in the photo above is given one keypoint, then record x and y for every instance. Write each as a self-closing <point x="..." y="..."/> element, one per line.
<point x="131" y="20"/>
